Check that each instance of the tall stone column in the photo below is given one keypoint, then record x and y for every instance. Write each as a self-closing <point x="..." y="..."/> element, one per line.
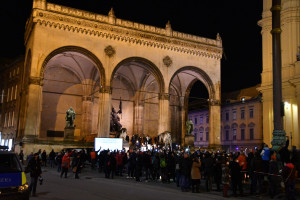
<point x="164" y="120"/>
<point x="104" y="111"/>
<point x="33" y="110"/>
<point x="86" y="115"/>
<point x="138" y="117"/>
<point x="215" y="124"/>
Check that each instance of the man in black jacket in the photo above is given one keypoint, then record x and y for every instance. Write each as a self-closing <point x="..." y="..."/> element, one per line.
<point x="34" y="167"/>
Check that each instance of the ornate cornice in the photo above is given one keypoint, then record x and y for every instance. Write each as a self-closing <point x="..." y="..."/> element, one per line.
<point x="83" y="22"/>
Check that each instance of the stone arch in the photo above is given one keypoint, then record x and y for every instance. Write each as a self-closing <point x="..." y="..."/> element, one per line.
<point x="77" y="49"/>
<point x="203" y="77"/>
<point x="154" y="70"/>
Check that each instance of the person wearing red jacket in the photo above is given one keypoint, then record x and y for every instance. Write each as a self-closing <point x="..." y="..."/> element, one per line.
<point x="65" y="164"/>
<point x="119" y="159"/>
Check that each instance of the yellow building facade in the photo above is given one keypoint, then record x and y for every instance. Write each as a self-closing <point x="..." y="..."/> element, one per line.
<point x="89" y="61"/>
<point x="290" y="42"/>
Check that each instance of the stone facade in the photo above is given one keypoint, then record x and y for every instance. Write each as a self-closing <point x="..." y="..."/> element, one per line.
<point x="89" y="61"/>
<point x="10" y="96"/>
<point x="241" y="121"/>
<point x="290" y="41"/>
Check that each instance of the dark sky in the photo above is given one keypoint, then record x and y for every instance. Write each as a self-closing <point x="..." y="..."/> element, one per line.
<point x="235" y="20"/>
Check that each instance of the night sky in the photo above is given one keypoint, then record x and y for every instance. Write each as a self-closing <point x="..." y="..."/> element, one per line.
<point x="235" y="20"/>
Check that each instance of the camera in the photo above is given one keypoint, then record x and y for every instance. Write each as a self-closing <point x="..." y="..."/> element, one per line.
<point x="41" y="180"/>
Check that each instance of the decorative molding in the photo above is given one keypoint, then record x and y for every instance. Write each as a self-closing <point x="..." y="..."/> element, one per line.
<point x="165" y="96"/>
<point x="167" y="61"/>
<point x="86" y="98"/>
<point x="105" y="89"/>
<point x="35" y="81"/>
<point x="109" y="51"/>
<point x="125" y="32"/>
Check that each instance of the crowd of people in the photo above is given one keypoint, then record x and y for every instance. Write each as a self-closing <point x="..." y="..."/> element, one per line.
<point x="189" y="170"/>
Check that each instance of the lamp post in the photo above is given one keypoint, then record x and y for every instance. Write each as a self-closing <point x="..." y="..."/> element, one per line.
<point x="278" y="112"/>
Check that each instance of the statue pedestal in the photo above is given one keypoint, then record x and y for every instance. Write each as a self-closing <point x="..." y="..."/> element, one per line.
<point x="189" y="140"/>
<point x="69" y="133"/>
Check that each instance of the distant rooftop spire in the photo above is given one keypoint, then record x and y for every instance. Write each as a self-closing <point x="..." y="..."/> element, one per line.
<point x="111" y="13"/>
<point x="111" y="16"/>
<point x="168" y="29"/>
<point x="218" y="37"/>
<point x="168" y="25"/>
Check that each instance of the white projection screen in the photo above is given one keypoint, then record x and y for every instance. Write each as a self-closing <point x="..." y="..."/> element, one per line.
<point x="109" y="143"/>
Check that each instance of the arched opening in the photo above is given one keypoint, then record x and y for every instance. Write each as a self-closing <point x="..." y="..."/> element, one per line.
<point x="71" y="78"/>
<point x="138" y="83"/>
<point x="190" y="89"/>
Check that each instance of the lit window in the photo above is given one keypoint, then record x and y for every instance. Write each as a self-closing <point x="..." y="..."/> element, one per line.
<point x="12" y="118"/>
<point x="234" y="134"/>
<point x="251" y="130"/>
<point x="242" y="134"/>
<point x="7" y="99"/>
<point x="201" y="119"/>
<point x="251" y="113"/>
<point x="227" y="116"/>
<point x="201" y="134"/>
<point x="226" y="135"/>
<point x="207" y="136"/>
<point x="234" y="115"/>
<point x="12" y="93"/>
<point x="2" y="96"/>
<point x="242" y="114"/>
<point x="16" y="90"/>
<point x="10" y="142"/>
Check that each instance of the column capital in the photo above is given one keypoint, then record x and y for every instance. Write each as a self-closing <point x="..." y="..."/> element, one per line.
<point x="35" y="80"/>
<point x="164" y="96"/>
<point x="86" y="98"/>
<point x="105" y="89"/>
<point x="214" y="102"/>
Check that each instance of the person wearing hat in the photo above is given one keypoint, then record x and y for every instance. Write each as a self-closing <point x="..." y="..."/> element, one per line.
<point x="34" y="167"/>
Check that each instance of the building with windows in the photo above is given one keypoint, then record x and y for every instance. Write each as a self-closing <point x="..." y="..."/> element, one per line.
<point x="241" y="121"/>
<point x="10" y="76"/>
<point x="290" y="70"/>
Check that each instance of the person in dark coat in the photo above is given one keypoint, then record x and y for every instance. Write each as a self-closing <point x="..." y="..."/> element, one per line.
<point x="236" y="178"/>
<point x="155" y="165"/>
<point x="208" y="163"/>
<point x="218" y="172"/>
<point x="77" y="165"/>
<point x="52" y="158"/>
<point x="58" y="160"/>
<point x="273" y="178"/>
<point x="139" y="166"/>
<point x="255" y="172"/>
<point x="284" y="152"/>
<point x="186" y="172"/>
<point x="34" y="167"/>
<point x="44" y="158"/>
